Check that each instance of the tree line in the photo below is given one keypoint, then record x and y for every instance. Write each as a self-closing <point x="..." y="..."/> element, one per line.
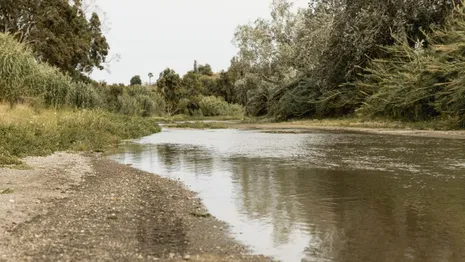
<point x="338" y="57"/>
<point x="396" y="59"/>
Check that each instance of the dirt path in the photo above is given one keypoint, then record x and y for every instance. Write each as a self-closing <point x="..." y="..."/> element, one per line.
<point x="86" y="208"/>
<point x="302" y="126"/>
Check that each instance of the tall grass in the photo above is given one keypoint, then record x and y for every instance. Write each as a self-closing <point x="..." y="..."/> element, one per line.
<point x="17" y="69"/>
<point x="23" y="79"/>
<point x="24" y="132"/>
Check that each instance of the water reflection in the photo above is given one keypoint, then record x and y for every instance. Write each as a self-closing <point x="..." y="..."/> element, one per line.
<point x="322" y="197"/>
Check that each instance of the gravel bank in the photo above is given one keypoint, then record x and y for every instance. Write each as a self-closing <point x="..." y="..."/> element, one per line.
<point x="71" y="207"/>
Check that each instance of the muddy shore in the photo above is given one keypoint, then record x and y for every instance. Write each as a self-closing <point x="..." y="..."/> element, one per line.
<point x="300" y="126"/>
<point x="74" y="207"/>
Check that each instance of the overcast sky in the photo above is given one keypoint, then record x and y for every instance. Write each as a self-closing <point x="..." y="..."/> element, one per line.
<point x="151" y="35"/>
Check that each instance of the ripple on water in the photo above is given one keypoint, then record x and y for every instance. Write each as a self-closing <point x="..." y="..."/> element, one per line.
<point x="321" y="196"/>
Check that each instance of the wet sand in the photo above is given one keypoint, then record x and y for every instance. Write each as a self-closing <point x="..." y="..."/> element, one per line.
<point x="74" y="207"/>
<point x="300" y="126"/>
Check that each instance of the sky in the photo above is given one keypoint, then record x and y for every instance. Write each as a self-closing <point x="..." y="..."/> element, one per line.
<point x="151" y="35"/>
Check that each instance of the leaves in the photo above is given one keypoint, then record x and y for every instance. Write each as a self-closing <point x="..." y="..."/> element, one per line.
<point x="58" y="32"/>
<point x="136" y="80"/>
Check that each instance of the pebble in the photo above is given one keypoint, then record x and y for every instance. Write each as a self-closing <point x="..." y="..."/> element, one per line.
<point x="187" y="257"/>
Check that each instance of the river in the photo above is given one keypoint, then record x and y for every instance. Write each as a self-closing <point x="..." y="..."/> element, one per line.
<point x="321" y="196"/>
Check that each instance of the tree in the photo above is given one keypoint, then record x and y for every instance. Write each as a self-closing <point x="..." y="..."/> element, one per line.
<point x="150" y="78"/>
<point x="267" y="55"/>
<point x="99" y="46"/>
<point x="136" y="80"/>
<point x="196" y="70"/>
<point x="267" y="47"/>
<point x="193" y="84"/>
<point x="358" y="31"/>
<point x="205" y="70"/>
<point x="169" y="84"/>
<point x="304" y="63"/>
<point x="58" y="31"/>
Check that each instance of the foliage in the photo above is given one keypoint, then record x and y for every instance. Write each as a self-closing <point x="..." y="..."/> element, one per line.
<point x="84" y="95"/>
<point x="25" y="132"/>
<point x="22" y="79"/>
<point x="136" y="80"/>
<point x="192" y="82"/>
<point x="266" y="47"/>
<point x="58" y="32"/>
<point x="205" y="70"/>
<point x="303" y="63"/>
<point x="150" y="78"/>
<point x="169" y="85"/>
<point x="358" y="30"/>
<point x="16" y="71"/>
<point x="215" y="106"/>
<point x="420" y="82"/>
<point x="134" y="100"/>
<point x="272" y="53"/>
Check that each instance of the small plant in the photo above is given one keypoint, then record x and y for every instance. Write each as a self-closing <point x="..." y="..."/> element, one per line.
<point x="6" y="191"/>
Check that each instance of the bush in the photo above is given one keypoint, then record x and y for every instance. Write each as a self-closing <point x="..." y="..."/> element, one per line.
<point x="84" y="96"/>
<point x="127" y="105"/>
<point x="53" y="86"/>
<point x="133" y="100"/>
<point x="215" y="106"/>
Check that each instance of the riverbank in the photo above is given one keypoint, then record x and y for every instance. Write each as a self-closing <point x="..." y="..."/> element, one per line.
<point x="28" y="131"/>
<point x="350" y="125"/>
<point x="74" y="207"/>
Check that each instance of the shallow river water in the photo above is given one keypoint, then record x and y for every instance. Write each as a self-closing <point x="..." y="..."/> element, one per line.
<point x="321" y="196"/>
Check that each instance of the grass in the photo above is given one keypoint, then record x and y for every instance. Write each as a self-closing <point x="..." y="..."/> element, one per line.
<point x="26" y="132"/>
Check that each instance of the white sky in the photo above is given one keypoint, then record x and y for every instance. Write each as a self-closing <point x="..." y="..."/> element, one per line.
<point x="151" y="35"/>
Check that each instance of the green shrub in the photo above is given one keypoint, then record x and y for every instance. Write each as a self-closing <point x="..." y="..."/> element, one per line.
<point x="147" y="106"/>
<point x="133" y="100"/>
<point x="215" y="106"/>
<point x="127" y="105"/>
<point x="84" y="96"/>
<point x="55" y="87"/>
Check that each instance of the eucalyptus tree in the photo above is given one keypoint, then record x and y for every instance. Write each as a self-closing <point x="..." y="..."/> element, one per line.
<point x="266" y="55"/>
<point x="58" y="31"/>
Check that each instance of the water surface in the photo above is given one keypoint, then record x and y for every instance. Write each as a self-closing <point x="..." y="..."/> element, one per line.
<point x="321" y="196"/>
